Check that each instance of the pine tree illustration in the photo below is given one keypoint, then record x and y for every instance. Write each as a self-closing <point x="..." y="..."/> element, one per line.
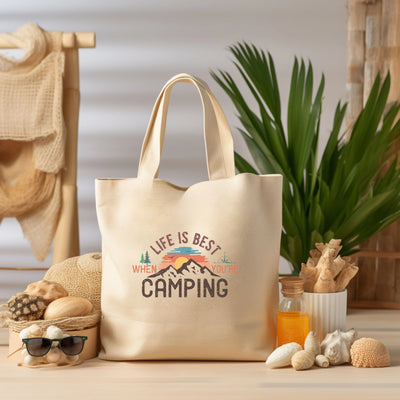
<point x="147" y="258"/>
<point x="225" y="259"/>
<point x="142" y="259"/>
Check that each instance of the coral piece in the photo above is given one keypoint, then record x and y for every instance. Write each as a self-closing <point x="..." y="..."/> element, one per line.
<point x="26" y="307"/>
<point x="326" y="278"/>
<point x="345" y="276"/>
<point x="50" y="291"/>
<point x="309" y="275"/>
<point x="281" y="356"/>
<point x="336" y="346"/>
<point x="321" y="361"/>
<point x="67" y="307"/>
<point x="334" y="244"/>
<point x="369" y="353"/>
<point x="302" y="360"/>
<point x="311" y="344"/>
<point x="325" y="271"/>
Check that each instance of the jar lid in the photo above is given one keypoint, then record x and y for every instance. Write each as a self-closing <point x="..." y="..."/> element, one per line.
<point x="292" y="286"/>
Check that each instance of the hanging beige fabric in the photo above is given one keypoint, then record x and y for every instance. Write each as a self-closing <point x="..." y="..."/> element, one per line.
<point x="189" y="273"/>
<point x="32" y="134"/>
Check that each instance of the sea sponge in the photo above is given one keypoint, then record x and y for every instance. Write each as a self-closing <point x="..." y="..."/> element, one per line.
<point x="369" y="353"/>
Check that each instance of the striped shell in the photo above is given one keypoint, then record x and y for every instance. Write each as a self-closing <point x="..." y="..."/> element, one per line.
<point x="369" y="353"/>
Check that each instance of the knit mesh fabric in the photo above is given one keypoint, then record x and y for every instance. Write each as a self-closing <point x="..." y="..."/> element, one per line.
<point x="31" y="90"/>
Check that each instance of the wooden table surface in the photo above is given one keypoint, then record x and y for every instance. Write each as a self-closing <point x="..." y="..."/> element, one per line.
<point x="97" y="379"/>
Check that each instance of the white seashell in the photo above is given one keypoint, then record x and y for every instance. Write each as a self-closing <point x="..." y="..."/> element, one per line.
<point x="35" y="330"/>
<point x="311" y="343"/>
<point x="29" y="360"/>
<point x="282" y="355"/>
<point x="322" y="361"/>
<point x="69" y="306"/>
<point x="24" y="352"/>
<point x="54" y="355"/>
<point x="66" y="335"/>
<point x="302" y="360"/>
<point x="31" y="331"/>
<point x="336" y="346"/>
<point x="24" y="334"/>
<point x="54" y="332"/>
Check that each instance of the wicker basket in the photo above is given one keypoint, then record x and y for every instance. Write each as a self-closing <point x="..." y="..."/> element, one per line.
<point x="66" y="324"/>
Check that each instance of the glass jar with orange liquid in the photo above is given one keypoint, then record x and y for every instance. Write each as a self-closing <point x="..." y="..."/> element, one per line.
<point x="293" y="321"/>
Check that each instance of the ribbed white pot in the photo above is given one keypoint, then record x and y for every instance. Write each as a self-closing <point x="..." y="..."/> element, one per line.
<point x="327" y="311"/>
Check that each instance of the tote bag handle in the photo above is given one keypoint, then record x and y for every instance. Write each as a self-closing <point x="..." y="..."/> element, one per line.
<point x="217" y="135"/>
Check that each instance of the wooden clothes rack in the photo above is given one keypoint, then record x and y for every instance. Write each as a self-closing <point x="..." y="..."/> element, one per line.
<point x="66" y="242"/>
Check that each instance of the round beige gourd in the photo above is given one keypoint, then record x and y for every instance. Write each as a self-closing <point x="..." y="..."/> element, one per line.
<point x="80" y="276"/>
<point x="68" y="307"/>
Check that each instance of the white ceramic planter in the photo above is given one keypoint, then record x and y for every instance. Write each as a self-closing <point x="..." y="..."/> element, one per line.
<point x="327" y="311"/>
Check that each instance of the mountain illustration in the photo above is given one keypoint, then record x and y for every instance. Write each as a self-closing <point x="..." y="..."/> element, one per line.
<point x="189" y="268"/>
<point x="169" y="272"/>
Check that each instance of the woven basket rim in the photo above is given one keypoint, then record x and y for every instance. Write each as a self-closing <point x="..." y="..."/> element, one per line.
<point x="66" y="324"/>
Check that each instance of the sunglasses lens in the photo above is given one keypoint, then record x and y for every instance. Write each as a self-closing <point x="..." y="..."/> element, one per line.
<point x="38" y="347"/>
<point x="71" y="345"/>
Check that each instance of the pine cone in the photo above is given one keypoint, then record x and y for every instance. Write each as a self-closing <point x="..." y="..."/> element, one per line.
<point x="26" y="307"/>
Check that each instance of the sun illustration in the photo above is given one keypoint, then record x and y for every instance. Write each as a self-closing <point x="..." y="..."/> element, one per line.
<point x="180" y="261"/>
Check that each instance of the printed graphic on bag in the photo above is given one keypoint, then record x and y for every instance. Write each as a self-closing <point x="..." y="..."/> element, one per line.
<point x="185" y="271"/>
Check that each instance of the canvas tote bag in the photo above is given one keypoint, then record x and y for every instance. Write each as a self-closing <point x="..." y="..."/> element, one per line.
<point x="189" y="273"/>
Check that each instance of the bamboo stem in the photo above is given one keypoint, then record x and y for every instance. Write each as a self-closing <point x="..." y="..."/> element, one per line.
<point x="23" y="269"/>
<point x="390" y="21"/>
<point x="66" y="242"/>
<point x="80" y="40"/>
<point x="378" y="254"/>
<point x="67" y="235"/>
<point x="372" y="45"/>
<point x="355" y="58"/>
<point x="374" y="304"/>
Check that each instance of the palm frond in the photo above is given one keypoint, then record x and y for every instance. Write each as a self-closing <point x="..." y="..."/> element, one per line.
<point x="347" y="194"/>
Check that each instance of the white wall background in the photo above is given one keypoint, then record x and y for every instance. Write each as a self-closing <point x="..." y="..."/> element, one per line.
<point x="140" y="45"/>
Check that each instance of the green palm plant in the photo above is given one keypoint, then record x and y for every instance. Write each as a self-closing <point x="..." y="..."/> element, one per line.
<point x="353" y="192"/>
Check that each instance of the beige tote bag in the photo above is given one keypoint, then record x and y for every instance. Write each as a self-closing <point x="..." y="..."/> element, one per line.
<point x="189" y="273"/>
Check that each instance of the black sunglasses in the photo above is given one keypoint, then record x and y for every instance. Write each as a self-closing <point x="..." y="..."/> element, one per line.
<point x="40" y="346"/>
